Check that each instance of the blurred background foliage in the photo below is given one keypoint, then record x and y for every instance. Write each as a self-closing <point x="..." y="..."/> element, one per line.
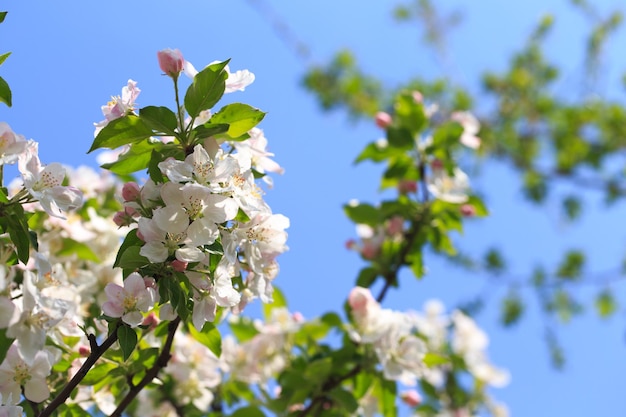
<point x="554" y="140"/>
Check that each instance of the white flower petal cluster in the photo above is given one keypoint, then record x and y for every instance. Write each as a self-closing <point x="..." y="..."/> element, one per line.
<point x="209" y="205"/>
<point x="391" y="333"/>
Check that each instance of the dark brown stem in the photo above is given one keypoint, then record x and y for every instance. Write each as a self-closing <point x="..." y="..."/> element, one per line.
<point x="151" y="373"/>
<point x="96" y="352"/>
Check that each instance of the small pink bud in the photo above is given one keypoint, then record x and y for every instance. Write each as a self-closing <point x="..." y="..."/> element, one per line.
<point x="369" y="251"/>
<point x="149" y="282"/>
<point x="171" y="62"/>
<point x="407" y="186"/>
<point x="351" y="244"/>
<point x="418" y="97"/>
<point x="122" y="219"/>
<point x="467" y="210"/>
<point x="411" y="398"/>
<point x="151" y="320"/>
<point x="383" y="119"/>
<point x="395" y="225"/>
<point x="84" y="351"/>
<point x="436" y="164"/>
<point x="298" y="317"/>
<point x="130" y="191"/>
<point x="179" y="266"/>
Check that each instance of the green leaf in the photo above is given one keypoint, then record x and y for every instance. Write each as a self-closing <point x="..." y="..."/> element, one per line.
<point x="243" y="329"/>
<point x="209" y="337"/>
<point x="19" y="232"/>
<point x="136" y="158"/>
<point x="318" y="370"/>
<point x="71" y="410"/>
<point x="279" y="302"/>
<point x="123" y="131"/>
<point x="571" y="266"/>
<point x="98" y="373"/>
<point x="400" y="138"/>
<point x="72" y="247"/>
<point x="344" y="399"/>
<point x="131" y="259"/>
<point x="206" y="89"/>
<point x="5" y="93"/>
<point x="207" y="130"/>
<point x="367" y="276"/>
<point x="239" y="117"/>
<point x="362" y="214"/>
<point x="606" y="304"/>
<point x="2" y="16"/>
<point x="159" y="119"/>
<point x="434" y="359"/>
<point x="4" y="57"/>
<point x="512" y="309"/>
<point x="410" y="114"/>
<point x="127" y="338"/>
<point x="386" y="393"/>
<point x="5" y="344"/>
<point x="248" y="411"/>
<point x="131" y="239"/>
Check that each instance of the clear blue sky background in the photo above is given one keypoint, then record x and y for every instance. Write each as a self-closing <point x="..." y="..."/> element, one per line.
<point x="69" y="57"/>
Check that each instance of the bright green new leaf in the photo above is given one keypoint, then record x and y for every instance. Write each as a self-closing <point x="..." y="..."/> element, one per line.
<point x="410" y="114"/>
<point x="4" y="57"/>
<point x="119" y="132"/>
<point x="243" y="329"/>
<point x="207" y="130"/>
<point x="206" y="89"/>
<point x="239" y="117"/>
<point x="433" y="359"/>
<point x="209" y="337"/>
<point x="606" y="304"/>
<point x="127" y="338"/>
<point x="160" y="119"/>
<point x="5" y="93"/>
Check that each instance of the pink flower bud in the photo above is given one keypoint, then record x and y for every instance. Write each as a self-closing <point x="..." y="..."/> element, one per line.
<point x="149" y="282"/>
<point x="395" y="225"/>
<point x="369" y="251"/>
<point x="467" y="210"/>
<point x="130" y="191"/>
<point x="436" y="164"/>
<point x="383" y="120"/>
<point x="84" y="351"/>
<point x="418" y="97"/>
<point x="171" y="62"/>
<point x="351" y="244"/>
<point x="151" y="320"/>
<point x="179" y="266"/>
<point x="407" y="186"/>
<point x="298" y="317"/>
<point x="411" y="398"/>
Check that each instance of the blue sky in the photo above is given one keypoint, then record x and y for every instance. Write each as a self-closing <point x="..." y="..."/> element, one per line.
<point x="70" y="57"/>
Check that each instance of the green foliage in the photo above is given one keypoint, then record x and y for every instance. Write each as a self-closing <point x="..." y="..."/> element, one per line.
<point x="206" y="89"/>
<point x="605" y="304"/>
<point x="512" y="308"/>
<point x="122" y="131"/>
<point x="127" y="338"/>
<point x="209" y="337"/>
<point x="571" y="266"/>
<point x="239" y="117"/>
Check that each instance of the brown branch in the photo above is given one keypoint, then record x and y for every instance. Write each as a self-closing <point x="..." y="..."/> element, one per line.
<point x="96" y="352"/>
<point x="151" y="373"/>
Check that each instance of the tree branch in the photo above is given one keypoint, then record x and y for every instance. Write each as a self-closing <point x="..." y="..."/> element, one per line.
<point x="151" y="373"/>
<point x="96" y="352"/>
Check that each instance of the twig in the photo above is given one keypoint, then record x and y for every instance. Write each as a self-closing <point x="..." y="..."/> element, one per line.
<point x="151" y="373"/>
<point x="96" y="352"/>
